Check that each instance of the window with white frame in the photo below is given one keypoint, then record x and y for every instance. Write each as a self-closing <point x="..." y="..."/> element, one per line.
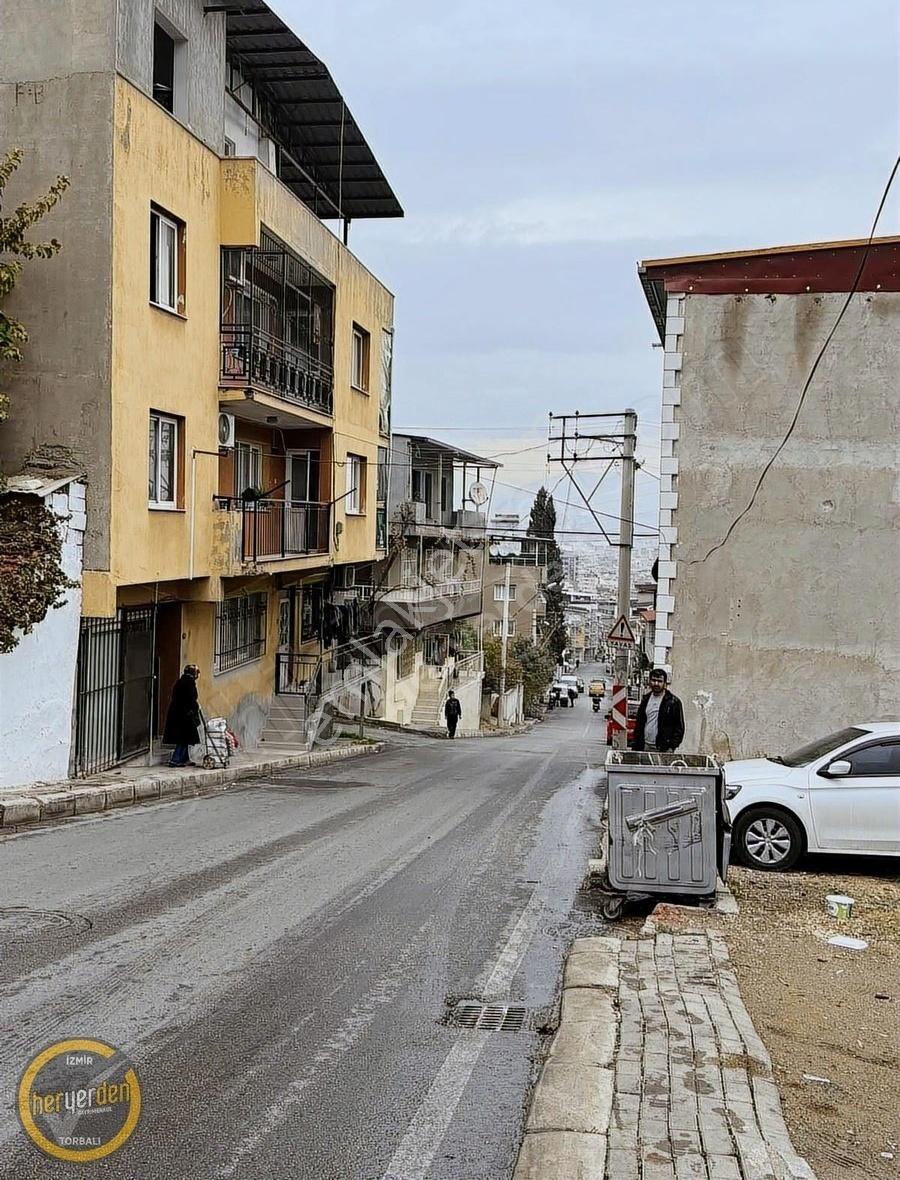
<point x="163" y="461"/>
<point x="247" y="468"/>
<point x="355" y="501"/>
<point x="498" y="628"/>
<point x="166" y="261"/>
<point x="359" y="359"/>
<point x="422" y="486"/>
<point x="500" y="592"/>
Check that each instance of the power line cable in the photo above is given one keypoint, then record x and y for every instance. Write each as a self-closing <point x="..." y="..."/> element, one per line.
<point x="524" y="450"/>
<point x="580" y="507"/>
<point x="446" y="429"/>
<point x="812" y="372"/>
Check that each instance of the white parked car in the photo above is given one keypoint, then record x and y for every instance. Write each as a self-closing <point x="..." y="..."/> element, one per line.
<point x="838" y="794"/>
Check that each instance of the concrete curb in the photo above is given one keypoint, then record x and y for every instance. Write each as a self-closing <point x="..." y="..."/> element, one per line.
<point x="44" y="806"/>
<point x="568" y="1123"/>
<point x="440" y="734"/>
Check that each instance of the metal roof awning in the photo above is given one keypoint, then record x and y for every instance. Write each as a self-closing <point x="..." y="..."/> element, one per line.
<point x="425" y="447"/>
<point x="327" y="162"/>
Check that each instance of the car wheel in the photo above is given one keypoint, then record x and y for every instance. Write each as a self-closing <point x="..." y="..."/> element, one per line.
<point x="768" y="839"/>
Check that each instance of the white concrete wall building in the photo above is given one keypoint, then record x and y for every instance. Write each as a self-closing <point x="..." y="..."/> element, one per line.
<point x="785" y="625"/>
<point x="37" y="678"/>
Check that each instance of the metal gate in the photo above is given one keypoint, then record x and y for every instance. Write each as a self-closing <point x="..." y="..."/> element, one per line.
<point x="114" y="689"/>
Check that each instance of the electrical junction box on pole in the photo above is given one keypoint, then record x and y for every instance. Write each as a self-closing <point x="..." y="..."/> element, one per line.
<point x="621" y="632"/>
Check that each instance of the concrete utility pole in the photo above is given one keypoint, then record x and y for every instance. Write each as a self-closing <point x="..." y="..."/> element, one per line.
<point x="626" y="545"/>
<point x="584" y="439"/>
<point x="504" y="637"/>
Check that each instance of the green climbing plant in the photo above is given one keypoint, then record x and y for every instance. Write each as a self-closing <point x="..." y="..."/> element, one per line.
<point x="31" y="578"/>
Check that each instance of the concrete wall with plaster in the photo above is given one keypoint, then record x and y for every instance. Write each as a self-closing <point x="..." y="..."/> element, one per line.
<point x="199" y="63"/>
<point x="53" y="81"/>
<point x="400" y="692"/>
<point x="793" y="627"/>
<point x="468" y="692"/>
<point x="37" y="678"/>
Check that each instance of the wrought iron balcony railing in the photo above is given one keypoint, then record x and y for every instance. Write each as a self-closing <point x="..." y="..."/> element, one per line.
<point x="252" y="357"/>
<point x="275" y="529"/>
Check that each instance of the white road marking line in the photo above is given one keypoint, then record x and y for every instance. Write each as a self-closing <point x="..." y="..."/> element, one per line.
<point x="429" y="1125"/>
<point x="348" y="1033"/>
<point x="516" y="945"/>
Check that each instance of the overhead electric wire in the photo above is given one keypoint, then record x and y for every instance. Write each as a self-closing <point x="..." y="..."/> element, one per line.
<point x="499" y="454"/>
<point x="580" y="507"/>
<point x="444" y="429"/>
<point x="812" y="372"/>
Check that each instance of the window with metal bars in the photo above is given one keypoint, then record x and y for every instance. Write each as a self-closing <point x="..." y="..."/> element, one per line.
<point x="240" y="631"/>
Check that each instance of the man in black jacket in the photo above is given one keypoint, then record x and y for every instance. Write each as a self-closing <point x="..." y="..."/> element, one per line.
<point x="452" y="713"/>
<point x="659" y="725"/>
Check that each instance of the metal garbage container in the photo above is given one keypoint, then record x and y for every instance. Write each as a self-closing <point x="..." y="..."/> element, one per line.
<point x="667" y="823"/>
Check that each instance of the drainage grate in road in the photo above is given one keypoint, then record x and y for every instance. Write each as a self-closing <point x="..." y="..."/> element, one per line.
<point x="489" y="1017"/>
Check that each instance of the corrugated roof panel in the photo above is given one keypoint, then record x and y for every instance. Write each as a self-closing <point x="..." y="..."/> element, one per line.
<point x="312" y="117"/>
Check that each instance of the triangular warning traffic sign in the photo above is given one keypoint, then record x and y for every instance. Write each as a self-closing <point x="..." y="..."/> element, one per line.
<point x="621" y="632"/>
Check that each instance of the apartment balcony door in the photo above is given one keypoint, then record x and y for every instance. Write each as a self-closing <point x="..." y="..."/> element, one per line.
<point x="303" y="527"/>
<point x="303" y="475"/>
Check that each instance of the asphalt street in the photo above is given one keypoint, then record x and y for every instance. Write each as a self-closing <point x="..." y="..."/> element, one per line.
<point x="279" y="960"/>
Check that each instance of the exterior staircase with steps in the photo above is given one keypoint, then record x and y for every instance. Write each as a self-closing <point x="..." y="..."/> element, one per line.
<point x="426" y="713"/>
<point x="286" y="725"/>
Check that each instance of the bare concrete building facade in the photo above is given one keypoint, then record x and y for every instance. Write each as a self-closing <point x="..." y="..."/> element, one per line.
<point x="782" y="622"/>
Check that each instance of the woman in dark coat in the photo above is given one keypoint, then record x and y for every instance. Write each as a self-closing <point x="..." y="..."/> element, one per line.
<point x="183" y="718"/>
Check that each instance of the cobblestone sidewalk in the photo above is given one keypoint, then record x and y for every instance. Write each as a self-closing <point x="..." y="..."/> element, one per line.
<point x="693" y="1095"/>
<point x="656" y="1072"/>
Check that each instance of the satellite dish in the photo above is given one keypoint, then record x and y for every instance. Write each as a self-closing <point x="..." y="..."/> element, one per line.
<point x="478" y="494"/>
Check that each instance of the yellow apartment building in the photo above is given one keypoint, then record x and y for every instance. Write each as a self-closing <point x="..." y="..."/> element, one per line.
<point x="211" y="355"/>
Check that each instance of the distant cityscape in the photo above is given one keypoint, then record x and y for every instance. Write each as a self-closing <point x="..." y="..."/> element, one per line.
<point x="592" y="568"/>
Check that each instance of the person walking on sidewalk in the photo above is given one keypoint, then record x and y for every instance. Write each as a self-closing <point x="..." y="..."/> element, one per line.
<point x="659" y="725"/>
<point x="183" y="718"/>
<point x="452" y="713"/>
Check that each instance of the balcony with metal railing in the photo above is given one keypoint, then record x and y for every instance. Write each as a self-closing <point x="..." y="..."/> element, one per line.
<point x="426" y="604"/>
<point x="252" y="357"/>
<point x="277" y="329"/>
<point x="277" y="530"/>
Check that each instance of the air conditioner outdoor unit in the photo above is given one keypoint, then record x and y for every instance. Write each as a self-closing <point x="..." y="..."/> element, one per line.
<point x="226" y="432"/>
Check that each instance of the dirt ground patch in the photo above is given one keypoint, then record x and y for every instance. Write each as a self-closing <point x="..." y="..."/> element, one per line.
<point x="828" y="1013"/>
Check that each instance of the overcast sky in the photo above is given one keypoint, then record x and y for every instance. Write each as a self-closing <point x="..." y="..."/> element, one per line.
<point x="541" y="149"/>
